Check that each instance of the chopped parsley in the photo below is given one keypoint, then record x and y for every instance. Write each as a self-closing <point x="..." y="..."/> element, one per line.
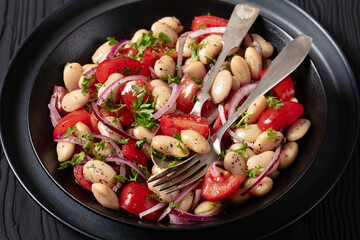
<point x="98" y="147"/>
<point x="122" y="141"/>
<point x="134" y="177"/>
<point x="252" y="171"/>
<point x="112" y="40"/>
<point x="85" y="84"/>
<point x="69" y="131"/>
<point x="173" y="205"/>
<point x="271" y="133"/>
<point x="170" y="51"/>
<point x="194" y="48"/>
<point x="143" y="111"/>
<point x="163" y="38"/>
<point x="67" y="64"/>
<point x="241" y="123"/>
<point x="212" y="205"/>
<point x="126" y="70"/>
<point x="152" y="196"/>
<point x="181" y="148"/>
<point x="91" y="166"/>
<point x="76" y="159"/>
<point x="273" y="101"/>
<point x="139" y="144"/>
<point x="197" y="80"/>
<point x="98" y="86"/>
<point x="171" y="79"/>
<point x="147" y="40"/>
<point x="163" y="157"/>
<point x="241" y="151"/>
<point x="177" y="136"/>
<point x="209" y="60"/>
<point x="203" y="26"/>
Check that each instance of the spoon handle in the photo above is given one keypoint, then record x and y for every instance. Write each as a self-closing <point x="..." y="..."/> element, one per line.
<point x="242" y="18"/>
<point x="284" y="63"/>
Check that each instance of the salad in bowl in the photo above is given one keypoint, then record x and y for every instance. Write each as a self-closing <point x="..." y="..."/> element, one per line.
<point x="132" y="103"/>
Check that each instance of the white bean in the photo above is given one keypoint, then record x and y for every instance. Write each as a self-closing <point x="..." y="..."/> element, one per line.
<point x="240" y="69"/>
<point x="267" y="48"/>
<point x="255" y="109"/>
<point x="75" y="100"/>
<point x="140" y="132"/>
<point x="164" y="67"/>
<point x="211" y="47"/>
<point x="115" y="93"/>
<point x="235" y="83"/>
<point x="195" y="141"/>
<point x="163" y="197"/>
<point x="262" y="188"/>
<point x="101" y="53"/>
<point x="254" y="61"/>
<point x="169" y="146"/>
<point x="187" y="45"/>
<point x="97" y="171"/>
<point x="138" y="35"/>
<point x="157" y="82"/>
<point x="104" y="130"/>
<point x="173" y="22"/>
<point x="298" y="129"/>
<point x="221" y="86"/>
<point x="235" y="164"/>
<point x="195" y="69"/>
<point x="207" y="208"/>
<point x="71" y="75"/>
<point x="105" y="196"/>
<point x="81" y="129"/>
<point x="108" y="150"/>
<point x="267" y="63"/>
<point x="65" y="150"/>
<point x="288" y="154"/>
<point x="248" y="150"/>
<point x="161" y="27"/>
<point x="185" y="203"/>
<point x="163" y="96"/>
<point x="259" y="162"/>
<point x="267" y="140"/>
<point x="90" y="80"/>
<point x="249" y="133"/>
<point x="236" y="199"/>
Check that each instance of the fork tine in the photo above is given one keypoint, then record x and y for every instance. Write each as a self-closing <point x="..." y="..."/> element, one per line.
<point x="183" y="177"/>
<point x="181" y="169"/>
<point x="162" y="174"/>
<point x="188" y="181"/>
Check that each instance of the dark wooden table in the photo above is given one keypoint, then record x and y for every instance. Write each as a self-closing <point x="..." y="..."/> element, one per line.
<point x="337" y="216"/>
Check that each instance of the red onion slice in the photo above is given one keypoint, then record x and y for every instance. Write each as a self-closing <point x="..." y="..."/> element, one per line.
<point x="121" y="160"/>
<point x="90" y="72"/>
<point x="116" y="48"/>
<point x="238" y="96"/>
<point x="212" y="166"/>
<point x="54" y="114"/>
<point x="182" y="41"/>
<point x="178" y="220"/>
<point x="196" y="200"/>
<point x="153" y="73"/>
<point x="178" y="198"/>
<point x="152" y="209"/>
<point x="112" y="142"/>
<point x="207" y="31"/>
<point x="192" y="217"/>
<point x="78" y="141"/>
<point x="268" y="169"/>
<point x="97" y="114"/>
<point x="258" y="48"/>
<point x="104" y="95"/>
<point x="174" y="95"/>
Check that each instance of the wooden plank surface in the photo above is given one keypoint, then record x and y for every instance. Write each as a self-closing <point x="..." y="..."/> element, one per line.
<point x="336" y="217"/>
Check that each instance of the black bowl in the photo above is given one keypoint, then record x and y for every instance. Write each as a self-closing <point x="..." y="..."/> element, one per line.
<point x="72" y="36"/>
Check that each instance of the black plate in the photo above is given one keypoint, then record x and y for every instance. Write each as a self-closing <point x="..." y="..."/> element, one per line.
<point x="325" y="86"/>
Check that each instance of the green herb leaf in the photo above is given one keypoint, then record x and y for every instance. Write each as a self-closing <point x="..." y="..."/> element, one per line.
<point x="176" y="80"/>
<point x="241" y="123"/>
<point x="163" y="38"/>
<point x="271" y="133"/>
<point x="177" y="136"/>
<point x="274" y="102"/>
<point x="173" y="205"/>
<point x="152" y="196"/>
<point x="139" y="144"/>
<point x="122" y="141"/>
<point x="112" y="40"/>
<point x="69" y="131"/>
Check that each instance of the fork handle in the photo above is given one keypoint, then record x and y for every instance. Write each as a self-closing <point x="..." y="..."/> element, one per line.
<point x="285" y="62"/>
<point x="242" y="18"/>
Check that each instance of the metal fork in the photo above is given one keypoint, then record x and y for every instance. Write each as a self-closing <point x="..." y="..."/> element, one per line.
<point x="286" y="61"/>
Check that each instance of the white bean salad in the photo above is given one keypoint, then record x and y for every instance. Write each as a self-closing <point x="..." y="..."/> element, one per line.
<point x="133" y="101"/>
